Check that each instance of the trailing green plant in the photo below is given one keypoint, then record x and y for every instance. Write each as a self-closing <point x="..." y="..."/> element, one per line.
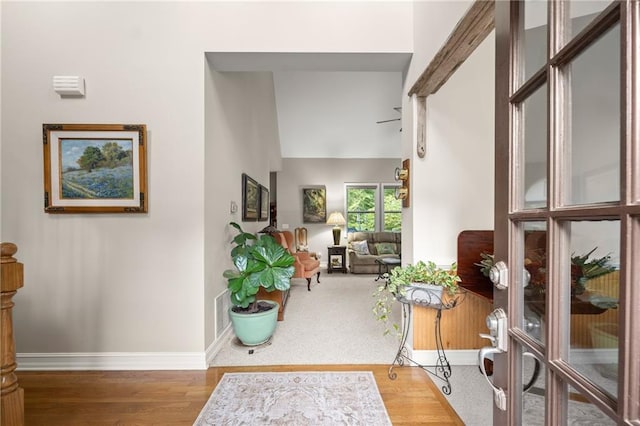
<point x="428" y="273"/>
<point x="259" y="262"/>
<point x="401" y="278"/>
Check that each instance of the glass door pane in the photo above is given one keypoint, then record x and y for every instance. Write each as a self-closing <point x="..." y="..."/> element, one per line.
<point x="583" y="412"/>
<point x="534" y="391"/>
<point x="595" y="122"/>
<point x="534" y="115"/>
<point x="594" y="287"/>
<point x="534" y="38"/>
<point x="582" y="12"/>
<point x="535" y="279"/>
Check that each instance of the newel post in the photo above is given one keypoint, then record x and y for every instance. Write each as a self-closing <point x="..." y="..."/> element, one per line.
<point x="12" y="396"/>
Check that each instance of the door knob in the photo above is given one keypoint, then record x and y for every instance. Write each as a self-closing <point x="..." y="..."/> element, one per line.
<point x="499" y="275"/>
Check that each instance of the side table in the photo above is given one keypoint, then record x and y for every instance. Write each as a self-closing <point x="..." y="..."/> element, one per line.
<point x="337" y="259"/>
<point x="385" y="265"/>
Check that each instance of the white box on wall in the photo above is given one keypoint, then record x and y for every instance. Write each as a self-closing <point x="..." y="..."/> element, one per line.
<point x="68" y="85"/>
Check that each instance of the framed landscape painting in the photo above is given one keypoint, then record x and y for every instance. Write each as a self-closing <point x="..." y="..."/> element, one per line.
<point x="264" y="204"/>
<point x="250" y="199"/>
<point x="95" y="168"/>
<point x="314" y="205"/>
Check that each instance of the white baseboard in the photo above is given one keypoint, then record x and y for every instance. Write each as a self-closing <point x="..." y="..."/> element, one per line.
<point x="217" y="345"/>
<point x="455" y="357"/>
<point x="111" y="361"/>
<point x="594" y="356"/>
<point x="470" y="356"/>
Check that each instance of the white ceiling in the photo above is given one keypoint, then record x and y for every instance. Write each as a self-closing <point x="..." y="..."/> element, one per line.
<point x="334" y="114"/>
<point x="328" y="103"/>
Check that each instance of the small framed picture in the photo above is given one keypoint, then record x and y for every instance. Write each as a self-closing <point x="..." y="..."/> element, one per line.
<point x="314" y="204"/>
<point x="250" y="199"/>
<point x="95" y="168"/>
<point x="336" y="261"/>
<point x="264" y="204"/>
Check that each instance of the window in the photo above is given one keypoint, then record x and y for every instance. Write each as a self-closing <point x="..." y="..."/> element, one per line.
<point x="369" y="209"/>
<point x="392" y="214"/>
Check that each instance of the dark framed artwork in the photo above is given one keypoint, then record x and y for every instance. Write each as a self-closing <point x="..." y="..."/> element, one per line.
<point x="314" y="204"/>
<point x="264" y="204"/>
<point x="250" y="198"/>
<point x="95" y="168"/>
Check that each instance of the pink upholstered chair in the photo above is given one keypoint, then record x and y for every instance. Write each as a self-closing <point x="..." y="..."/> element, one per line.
<point x="306" y="266"/>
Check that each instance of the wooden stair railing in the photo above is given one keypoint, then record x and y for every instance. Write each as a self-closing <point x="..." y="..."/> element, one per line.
<point x="11" y="395"/>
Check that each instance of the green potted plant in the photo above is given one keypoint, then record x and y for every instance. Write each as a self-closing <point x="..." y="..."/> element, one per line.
<point x="421" y="284"/>
<point x="259" y="262"/>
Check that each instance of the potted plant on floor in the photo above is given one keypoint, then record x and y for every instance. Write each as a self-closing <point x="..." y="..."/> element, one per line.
<point x="420" y="284"/>
<point x="259" y="262"/>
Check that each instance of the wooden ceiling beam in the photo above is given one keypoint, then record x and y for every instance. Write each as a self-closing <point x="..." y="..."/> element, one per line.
<point x="470" y="31"/>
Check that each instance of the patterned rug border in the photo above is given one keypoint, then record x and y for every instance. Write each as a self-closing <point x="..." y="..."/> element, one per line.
<point x="376" y="407"/>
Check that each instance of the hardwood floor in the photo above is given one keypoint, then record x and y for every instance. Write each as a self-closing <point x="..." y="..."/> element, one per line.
<point x="176" y="397"/>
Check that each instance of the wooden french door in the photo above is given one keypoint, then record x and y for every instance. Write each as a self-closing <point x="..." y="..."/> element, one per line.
<point x="568" y="211"/>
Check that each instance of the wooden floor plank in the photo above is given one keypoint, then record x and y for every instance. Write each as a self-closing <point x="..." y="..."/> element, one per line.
<point x="176" y="397"/>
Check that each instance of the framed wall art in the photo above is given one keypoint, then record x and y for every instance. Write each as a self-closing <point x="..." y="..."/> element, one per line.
<point x="314" y="205"/>
<point x="250" y="199"/>
<point x="95" y="168"/>
<point x="264" y="204"/>
<point x="336" y="261"/>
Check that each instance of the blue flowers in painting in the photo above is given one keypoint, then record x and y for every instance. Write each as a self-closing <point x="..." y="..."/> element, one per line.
<point x="97" y="168"/>
<point x="101" y="182"/>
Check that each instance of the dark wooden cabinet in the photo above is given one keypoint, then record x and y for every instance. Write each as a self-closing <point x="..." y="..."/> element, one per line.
<point x="337" y="259"/>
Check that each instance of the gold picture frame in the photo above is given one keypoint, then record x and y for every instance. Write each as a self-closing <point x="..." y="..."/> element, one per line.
<point x="95" y="168"/>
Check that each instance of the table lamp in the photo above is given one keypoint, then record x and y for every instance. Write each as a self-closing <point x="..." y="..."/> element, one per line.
<point x="337" y="220"/>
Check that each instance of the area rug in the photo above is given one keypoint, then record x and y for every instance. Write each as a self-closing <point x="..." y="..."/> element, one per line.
<point x="300" y="398"/>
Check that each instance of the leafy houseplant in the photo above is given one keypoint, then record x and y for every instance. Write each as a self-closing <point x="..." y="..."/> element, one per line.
<point x="414" y="284"/>
<point x="259" y="262"/>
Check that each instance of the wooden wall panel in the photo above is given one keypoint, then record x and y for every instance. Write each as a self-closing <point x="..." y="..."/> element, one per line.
<point x="607" y="285"/>
<point x="460" y="326"/>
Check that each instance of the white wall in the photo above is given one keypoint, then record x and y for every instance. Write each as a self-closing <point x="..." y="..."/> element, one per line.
<point x="123" y="283"/>
<point x="241" y="128"/>
<point x="452" y="186"/>
<point x="459" y="166"/>
<point x="333" y="173"/>
<point x="337" y="113"/>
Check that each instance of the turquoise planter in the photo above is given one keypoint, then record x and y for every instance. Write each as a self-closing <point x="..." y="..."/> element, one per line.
<point x="254" y="329"/>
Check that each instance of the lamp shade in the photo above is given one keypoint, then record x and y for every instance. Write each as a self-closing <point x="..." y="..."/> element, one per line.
<point x="336" y="219"/>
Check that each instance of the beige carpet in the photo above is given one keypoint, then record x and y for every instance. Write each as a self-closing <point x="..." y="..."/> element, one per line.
<point x="301" y="398"/>
<point x="331" y="324"/>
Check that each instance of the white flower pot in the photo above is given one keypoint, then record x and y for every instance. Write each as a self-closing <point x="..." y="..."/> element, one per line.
<point x="424" y="295"/>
